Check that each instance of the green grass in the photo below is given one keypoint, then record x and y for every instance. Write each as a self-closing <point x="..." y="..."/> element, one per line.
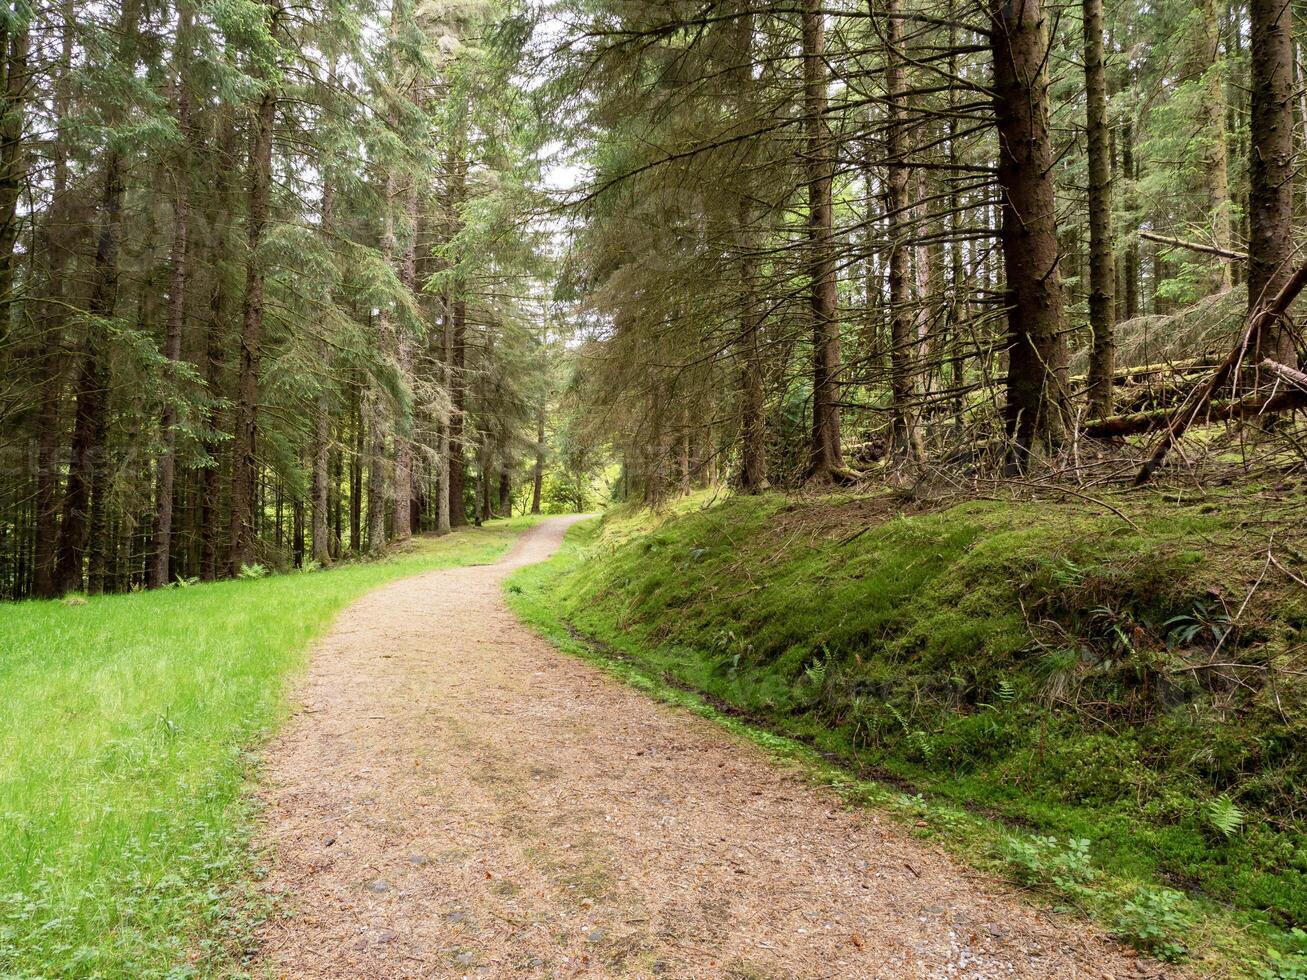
<point x="127" y="727"/>
<point x="1013" y="668"/>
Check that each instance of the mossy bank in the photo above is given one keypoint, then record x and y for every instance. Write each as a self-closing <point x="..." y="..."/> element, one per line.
<point x="1107" y="706"/>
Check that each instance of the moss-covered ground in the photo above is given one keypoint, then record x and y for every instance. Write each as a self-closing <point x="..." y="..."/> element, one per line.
<point x="1109" y="707"/>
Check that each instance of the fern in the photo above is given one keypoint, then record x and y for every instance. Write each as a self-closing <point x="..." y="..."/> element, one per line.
<point x="1224" y="815"/>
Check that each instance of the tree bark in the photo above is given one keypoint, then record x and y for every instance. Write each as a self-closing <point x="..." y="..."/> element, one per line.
<point x="1102" y="259"/>
<point x="404" y="358"/>
<point x="321" y="484"/>
<point x="444" y="447"/>
<point x="826" y="462"/>
<point x="161" y="546"/>
<point x="505" y="492"/>
<point x="1270" y="169"/>
<point x="1036" y="397"/>
<point x="904" y="435"/>
<point x="244" y="467"/>
<point x="538" y="474"/>
<point x="1204" y="66"/>
<point x="44" y="584"/>
<point x="1130" y="261"/>
<point x="457" y="350"/>
<point x="83" y="510"/>
<point x="457" y="465"/>
<point x="212" y="558"/>
<point x="13" y="161"/>
<point x="375" y="420"/>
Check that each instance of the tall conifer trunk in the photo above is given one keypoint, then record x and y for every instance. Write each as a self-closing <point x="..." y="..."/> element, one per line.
<point x="83" y="507"/>
<point x="1036" y="395"/>
<point x="44" y="584"/>
<point x="903" y="340"/>
<point x="321" y="447"/>
<point x="538" y="473"/>
<point x="161" y="546"/>
<point x="1102" y="259"/>
<point x="1270" y="167"/>
<point x="826" y="461"/>
<point x="244" y="465"/>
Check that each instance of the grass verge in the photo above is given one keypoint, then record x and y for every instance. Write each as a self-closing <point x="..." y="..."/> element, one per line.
<point x="1040" y="684"/>
<point x="127" y="727"/>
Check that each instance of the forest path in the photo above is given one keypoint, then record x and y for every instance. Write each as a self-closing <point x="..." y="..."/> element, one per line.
<point x="459" y="798"/>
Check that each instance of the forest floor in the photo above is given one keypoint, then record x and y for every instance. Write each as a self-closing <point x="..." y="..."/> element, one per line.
<point x="457" y="796"/>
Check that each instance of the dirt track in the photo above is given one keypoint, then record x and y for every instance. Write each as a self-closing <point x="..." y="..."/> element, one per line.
<point x="458" y="798"/>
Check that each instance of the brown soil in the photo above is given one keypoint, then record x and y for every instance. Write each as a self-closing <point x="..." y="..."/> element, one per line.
<point x="458" y="798"/>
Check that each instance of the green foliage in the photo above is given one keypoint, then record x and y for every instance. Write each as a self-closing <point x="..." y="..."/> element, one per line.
<point x="1047" y="860"/>
<point x="1156" y="921"/>
<point x="1224" y="815"/>
<point x="1289" y="963"/>
<point x="252" y="571"/>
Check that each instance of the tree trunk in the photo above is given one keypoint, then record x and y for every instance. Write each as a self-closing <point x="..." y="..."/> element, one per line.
<point x="44" y="583"/>
<point x="826" y="461"/>
<point x="505" y="492"/>
<point x="375" y="419"/>
<point x="172" y="343"/>
<point x="404" y="358"/>
<point x="1204" y="68"/>
<point x="83" y="511"/>
<point x="457" y="396"/>
<point x="1130" y="262"/>
<point x="356" y="470"/>
<point x="444" y="448"/>
<point x="244" y="468"/>
<point x="321" y="483"/>
<point x="903" y="342"/>
<point x="538" y="474"/>
<point x="1270" y="168"/>
<point x="1102" y="259"/>
<point x="13" y="161"/>
<point x="1036" y="396"/>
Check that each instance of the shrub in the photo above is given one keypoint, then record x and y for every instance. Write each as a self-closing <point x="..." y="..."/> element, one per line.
<point x="1153" y="921"/>
<point x="1047" y="860"/>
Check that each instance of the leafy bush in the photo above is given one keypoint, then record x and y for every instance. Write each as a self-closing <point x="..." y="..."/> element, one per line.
<point x="1289" y="964"/>
<point x="1047" y="860"/>
<point x="1153" y="921"/>
<point x="252" y="571"/>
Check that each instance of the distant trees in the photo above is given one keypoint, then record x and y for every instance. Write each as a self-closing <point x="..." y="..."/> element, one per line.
<point x="233" y="240"/>
<point x="941" y="226"/>
<point x="270" y="287"/>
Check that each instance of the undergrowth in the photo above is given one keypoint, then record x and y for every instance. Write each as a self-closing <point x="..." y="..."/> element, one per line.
<point x="127" y="725"/>
<point x="1110" y="711"/>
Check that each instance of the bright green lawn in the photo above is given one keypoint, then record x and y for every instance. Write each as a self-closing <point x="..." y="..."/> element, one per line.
<point x="126" y="726"/>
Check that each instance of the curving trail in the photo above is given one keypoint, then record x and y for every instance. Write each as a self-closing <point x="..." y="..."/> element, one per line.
<point x="458" y="798"/>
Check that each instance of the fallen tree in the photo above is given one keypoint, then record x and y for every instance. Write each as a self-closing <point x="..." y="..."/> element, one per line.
<point x="1217" y="411"/>
<point x="1194" y="406"/>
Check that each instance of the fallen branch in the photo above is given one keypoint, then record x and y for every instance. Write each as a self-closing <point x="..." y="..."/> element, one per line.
<point x="1295" y="377"/>
<point x="1192" y="407"/>
<point x="1220" y="253"/>
<point x="1217" y="411"/>
<point x="1131" y="375"/>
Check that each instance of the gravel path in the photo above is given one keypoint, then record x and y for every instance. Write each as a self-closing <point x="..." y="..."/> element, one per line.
<point x="458" y="798"/>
